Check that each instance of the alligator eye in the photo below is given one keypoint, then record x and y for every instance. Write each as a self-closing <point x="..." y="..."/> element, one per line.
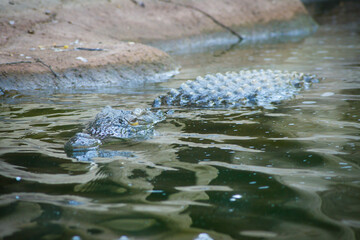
<point x="133" y="122"/>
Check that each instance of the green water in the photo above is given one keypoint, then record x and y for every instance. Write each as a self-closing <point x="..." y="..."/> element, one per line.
<point x="288" y="173"/>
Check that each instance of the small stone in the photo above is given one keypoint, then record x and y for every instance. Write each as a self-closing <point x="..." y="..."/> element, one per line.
<point x="82" y="59"/>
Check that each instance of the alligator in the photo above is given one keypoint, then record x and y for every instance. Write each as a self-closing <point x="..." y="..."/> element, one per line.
<point x="262" y="88"/>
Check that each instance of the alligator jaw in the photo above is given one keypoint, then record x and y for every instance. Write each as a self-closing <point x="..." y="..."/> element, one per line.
<point x="82" y="142"/>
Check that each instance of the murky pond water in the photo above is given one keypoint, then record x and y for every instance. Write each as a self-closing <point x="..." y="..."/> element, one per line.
<point x="288" y="173"/>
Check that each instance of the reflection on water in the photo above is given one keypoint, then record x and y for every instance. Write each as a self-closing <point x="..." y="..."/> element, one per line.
<point x="286" y="173"/>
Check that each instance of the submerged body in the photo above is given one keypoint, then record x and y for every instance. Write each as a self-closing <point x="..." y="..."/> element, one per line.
<point x="245" y="88"/>
<point x="242" y="89"/>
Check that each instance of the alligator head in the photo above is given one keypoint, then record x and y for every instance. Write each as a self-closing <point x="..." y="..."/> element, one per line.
<point x="124" y="123"/>
<point x="112" y="123"/>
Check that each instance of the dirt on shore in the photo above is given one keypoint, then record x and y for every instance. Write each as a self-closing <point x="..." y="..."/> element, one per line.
<point x="47" y="39"/>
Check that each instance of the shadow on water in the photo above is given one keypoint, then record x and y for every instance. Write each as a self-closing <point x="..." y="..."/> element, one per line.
<point x="287" y="173"/>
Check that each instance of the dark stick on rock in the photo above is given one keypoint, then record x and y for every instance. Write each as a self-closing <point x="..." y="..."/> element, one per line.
<point x="48" y="66"/>
<point x="89" y="49"/>
<point x="18" y="62"/>
<point x="36" y="60"/>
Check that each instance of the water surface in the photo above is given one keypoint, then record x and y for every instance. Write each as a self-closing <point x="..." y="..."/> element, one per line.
<point x="286" y="173"/>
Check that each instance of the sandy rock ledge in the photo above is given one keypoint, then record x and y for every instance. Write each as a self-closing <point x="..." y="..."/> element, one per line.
<point x="91" y="44"/>
<point x="121" y="64"/>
